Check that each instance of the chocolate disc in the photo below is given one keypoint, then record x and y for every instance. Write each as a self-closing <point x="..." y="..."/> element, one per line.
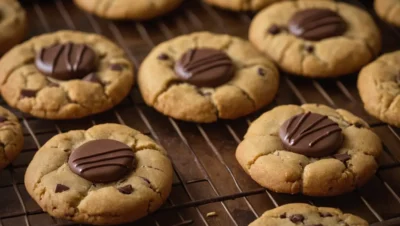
<point x="102" y="161"/>
<point x="66" y="61"/>
<point x="205" y="67"/>
<point x="311" y="134"/>
<point x="316" y="24"/>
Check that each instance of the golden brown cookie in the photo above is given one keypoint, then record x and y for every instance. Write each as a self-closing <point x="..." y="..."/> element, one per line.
<point x="13" y="24"/>
<point x="11" y="137"/>
<point x="203" y="76"/>
<point x="126" y="9"/>
<point x="304" y="214"/>
<point x="316" y="38"/>
<point x="378" y="85"/>
<point x="108" y="174"/>
<point x="65" y="75"/>
<point x="310" y="149"/>
<point x="388" y="10"/>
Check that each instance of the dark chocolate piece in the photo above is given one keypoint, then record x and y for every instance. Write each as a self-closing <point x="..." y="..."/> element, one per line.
<point x="127" y="189"/>
<point x="28" y="93"/>
<point x="204" y="67"/>
<point x="283" y="215"/>
<point x="3" y="119"/>
<point x="66" y="61"/>
<point x="116" y="67"/>
<point x="163" y="56"/>
<point x="274" y="29"/>
<point x="309" y="48"/>
<point x="342" y="157"/>
<point x="297" y="218"/>
<point x="317" y="24"/>
<point x="261" y="71"/>
<point x="102" y="161"/>
<point x="311" y="134"/>
<point x="61" y="188"/>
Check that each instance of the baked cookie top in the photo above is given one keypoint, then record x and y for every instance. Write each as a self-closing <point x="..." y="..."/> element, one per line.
<point x="108" y="174"/>
<point x="12" y="24"/>
<point x="378" y="85"/>
<point x="64" y="75"/>
<point x="316" y="38"/>
<point x="125" y="9"/>
<point x="11" y="137"/>
<point x="388" y="10"/>
<point x="304" y="214"/>
<point x="242" y="5"/>
<point x="203" y="76"/>
<point x="310" y="149"/>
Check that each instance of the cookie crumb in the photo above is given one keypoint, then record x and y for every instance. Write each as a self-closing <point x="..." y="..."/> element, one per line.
<point x="211" y="214"/>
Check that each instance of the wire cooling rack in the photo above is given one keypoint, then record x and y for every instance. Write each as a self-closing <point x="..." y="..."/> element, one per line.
<point x="207" y="176"/>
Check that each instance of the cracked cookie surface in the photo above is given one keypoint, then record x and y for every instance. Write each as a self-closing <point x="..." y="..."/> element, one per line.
<point x="124" y="9"/>
<point x="304" y="214"/>
<point x="12" y="23"/>
<point x="388" y="10"/>
<point x="378" y="84"/>
<point x="253" y="83"/>
<point x="63" y="193"/>
<point x="11" y="137"/>
<point x="27" y="88"/>
<point x="316" y="44"/>
<point x="263" y="156"/>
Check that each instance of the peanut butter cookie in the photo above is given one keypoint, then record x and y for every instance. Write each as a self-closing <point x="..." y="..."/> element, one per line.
<point x="310" y="149"/>
<point x="13" y="24"/>
<point x="304" y="214"/>
<point x="388" y="10"/>
<point x="203" y="76"/>
<point x="65" y="75"/>
<point x="316" y="38"/>
<point x="108" y="174"/>
<point x="11" y="137"/>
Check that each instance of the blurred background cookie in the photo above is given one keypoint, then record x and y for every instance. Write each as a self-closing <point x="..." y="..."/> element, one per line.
<point x="388" y="10"/>
<point x="13" y="24"/>
<point x="11" y="137"/>
<point x="128" y="9"/>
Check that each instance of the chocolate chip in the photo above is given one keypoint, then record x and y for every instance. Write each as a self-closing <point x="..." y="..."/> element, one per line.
<point x="309" y="48"/>
<point x="297" y="218"/>
<point x="325" y="215"/>
<point x="28" y="93"/>
<point x="3" y="119"/>
<point x="261" y="71"/>
<point x="116" y="67"/>
<point x="358" y="125"/>
<point x="342" y="157"/>
<point x="127" y="189"/>
<point x="283" y="215"/>
<point x="274" y="29"/>
<point x="163" y="56"/>
<point x="92" y="77"/>
<point x="61" y="188"/>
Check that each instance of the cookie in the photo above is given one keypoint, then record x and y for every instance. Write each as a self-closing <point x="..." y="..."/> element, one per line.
<point x="125" y="9"/>
<point x="65" y="75"/>
<point x="242" y="5"/>
<point x="13" y="24"/>
<point x="108" y="174"/>
<point x="203" y="76"/>
<point x="378" y="85"/>
<point x="388" y="10"/>
<point x="316" y="38"/>
<point x="310" y="149"/>
<point x="304" y="214"/>
<point x="11" y="137"/>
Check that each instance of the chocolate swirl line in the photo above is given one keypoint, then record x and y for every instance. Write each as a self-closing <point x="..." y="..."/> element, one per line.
<point x="309" y="130"/>
<point x="93" y="161"/>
